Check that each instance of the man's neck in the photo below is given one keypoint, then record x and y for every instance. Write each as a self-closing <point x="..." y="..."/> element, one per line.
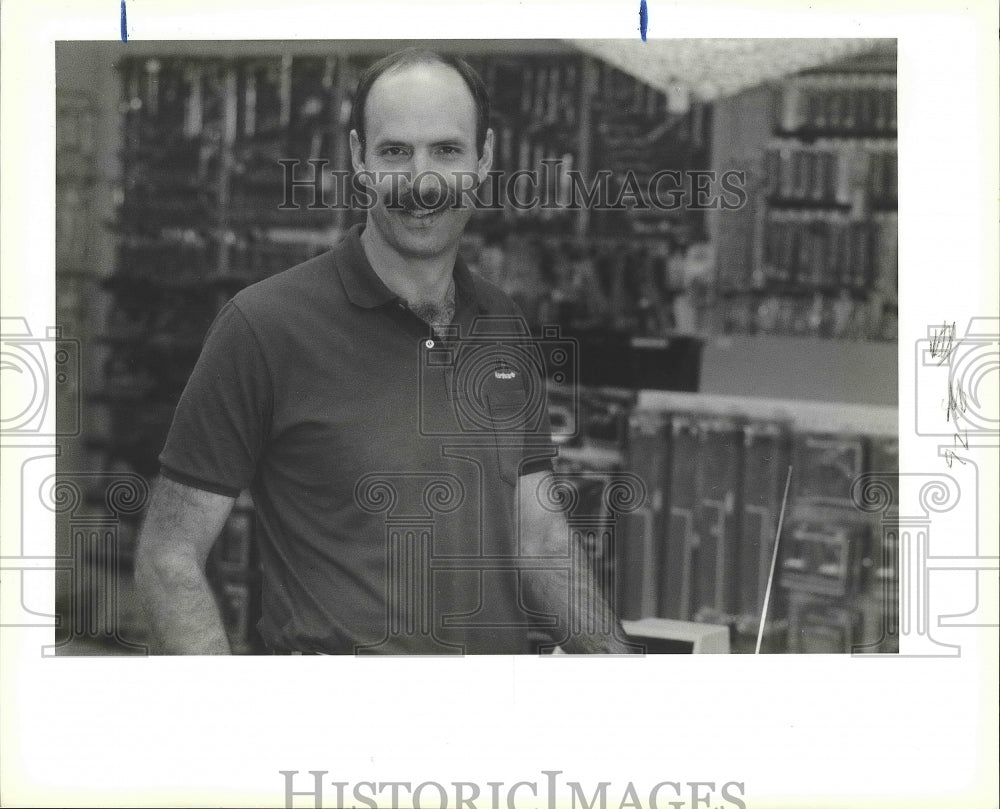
<point x="415" y="279"/>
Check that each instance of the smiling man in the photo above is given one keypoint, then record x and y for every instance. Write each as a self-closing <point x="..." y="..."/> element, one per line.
<point x="419" y="131"/>
<point x="387" y="412"/>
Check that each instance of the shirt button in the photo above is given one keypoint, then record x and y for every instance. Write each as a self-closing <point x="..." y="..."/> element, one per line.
<point x="429" y="343"/>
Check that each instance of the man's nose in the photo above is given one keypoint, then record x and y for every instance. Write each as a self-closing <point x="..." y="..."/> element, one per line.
<point x="420" y="164"/>
<point x="428" y="183"/>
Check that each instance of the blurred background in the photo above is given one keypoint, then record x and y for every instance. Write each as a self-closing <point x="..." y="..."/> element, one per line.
<point x="716" y="346"/>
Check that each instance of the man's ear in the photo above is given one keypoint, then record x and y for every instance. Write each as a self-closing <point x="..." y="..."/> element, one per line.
<point x="357" y="152"/>
<point x="486" y="161"/>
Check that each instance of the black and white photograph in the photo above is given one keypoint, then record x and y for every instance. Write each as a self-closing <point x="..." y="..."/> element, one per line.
<point x="501" y="377"/>
<point x="626" y="293"/>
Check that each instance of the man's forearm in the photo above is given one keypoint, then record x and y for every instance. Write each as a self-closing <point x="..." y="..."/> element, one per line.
<point x="589" y="620"/>
<point x="180" y="528"/>
<point x="179" y="604"/>
<point x="566" y="587"/>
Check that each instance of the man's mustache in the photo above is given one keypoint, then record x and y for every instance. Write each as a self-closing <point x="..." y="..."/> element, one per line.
<point x="412" y="199"/>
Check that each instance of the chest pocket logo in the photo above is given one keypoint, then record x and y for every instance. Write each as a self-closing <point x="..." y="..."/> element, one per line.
<point x="504" y="371"/>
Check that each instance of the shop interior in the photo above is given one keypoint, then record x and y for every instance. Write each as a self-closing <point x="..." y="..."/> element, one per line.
<point x="715" y="345"/>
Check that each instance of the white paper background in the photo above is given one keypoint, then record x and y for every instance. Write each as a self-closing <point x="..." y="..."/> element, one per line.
<point x="805" y="731"/>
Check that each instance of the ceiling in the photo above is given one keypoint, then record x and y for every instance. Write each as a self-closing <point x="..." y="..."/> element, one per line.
<point x="714" y="68"/>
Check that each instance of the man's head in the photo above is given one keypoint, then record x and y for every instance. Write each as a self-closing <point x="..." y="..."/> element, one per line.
<point x="416" y="56"/>
<point x="420" y="141"/>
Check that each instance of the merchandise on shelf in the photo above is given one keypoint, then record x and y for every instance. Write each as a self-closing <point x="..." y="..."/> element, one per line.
<point x="824" y="257"/>
<point x="640" y="533"/>
<point x="766" y="455"/>
<point x="818" y="626"/>
<point x="676" y="576"/>
<point x="701" y="547"/>
<point x="715" y="580"/>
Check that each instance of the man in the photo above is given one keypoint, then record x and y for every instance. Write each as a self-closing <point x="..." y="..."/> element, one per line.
<point x="396" y="448"/>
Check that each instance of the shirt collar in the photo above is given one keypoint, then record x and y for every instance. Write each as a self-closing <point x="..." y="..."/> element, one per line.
<point x="365" y="289"/>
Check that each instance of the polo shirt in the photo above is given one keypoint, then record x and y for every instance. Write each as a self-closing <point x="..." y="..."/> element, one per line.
<point x="382" y="459"/>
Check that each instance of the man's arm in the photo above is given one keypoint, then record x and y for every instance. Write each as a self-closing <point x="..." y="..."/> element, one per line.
<point x="182" y="523"/>
<point x="568" y="590"/>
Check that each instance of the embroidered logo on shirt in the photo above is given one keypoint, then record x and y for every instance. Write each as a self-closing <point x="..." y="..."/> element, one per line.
<point x="504" y="371"/>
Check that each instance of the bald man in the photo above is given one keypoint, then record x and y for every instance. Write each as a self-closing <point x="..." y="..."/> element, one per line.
<point x="386" y="410"/>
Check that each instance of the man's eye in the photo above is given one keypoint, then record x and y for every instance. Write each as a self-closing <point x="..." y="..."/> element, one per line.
<point x="449" y="151"/>
<point x="393" y="151"/>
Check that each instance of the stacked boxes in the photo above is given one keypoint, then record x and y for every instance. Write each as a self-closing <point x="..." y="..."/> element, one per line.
<point x="702" y="545"/>
<point x="640" y="532"/>
<point x="881" y="606"/>
<point x="827" y="544"/>
<point x="766" y="450"/>
<point x="718" y="520"/>
<point x="682" y="507"/>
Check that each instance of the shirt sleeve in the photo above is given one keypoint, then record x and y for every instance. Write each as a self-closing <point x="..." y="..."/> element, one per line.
<point x="222" y="419"/>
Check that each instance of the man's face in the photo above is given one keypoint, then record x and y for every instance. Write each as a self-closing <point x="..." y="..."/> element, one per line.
<point x="420" y="121"/>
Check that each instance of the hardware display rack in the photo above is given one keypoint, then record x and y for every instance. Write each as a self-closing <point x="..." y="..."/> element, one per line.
<point x="822" y="255"/>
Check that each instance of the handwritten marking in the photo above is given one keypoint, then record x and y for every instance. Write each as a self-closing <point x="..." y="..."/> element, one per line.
<point x="124" y="24"/>
<point x="957" y="401"/>
<point x="950" y="457"/>
<point x="942" y="342"/>
<point x="643" y="18"/>
<point x="943" y="345"/>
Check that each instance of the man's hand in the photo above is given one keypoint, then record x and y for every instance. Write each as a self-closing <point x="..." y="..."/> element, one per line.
<point x="181" y="526"/>
<point x="568" y="589"/>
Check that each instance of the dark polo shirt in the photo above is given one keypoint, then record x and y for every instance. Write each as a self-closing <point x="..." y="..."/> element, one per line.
<point x="382" y="460"/>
